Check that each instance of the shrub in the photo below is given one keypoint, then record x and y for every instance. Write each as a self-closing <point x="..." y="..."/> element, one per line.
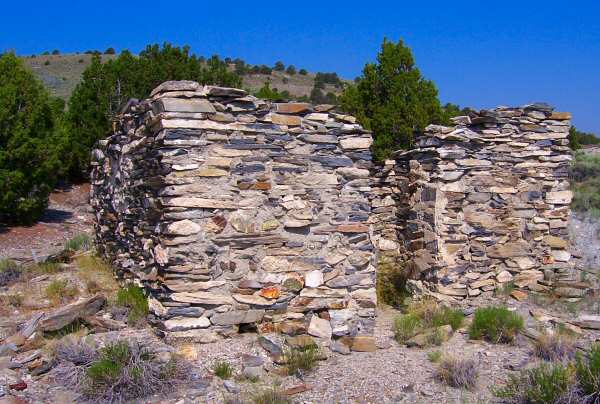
<point x="80" y="61"/>
<point x="28" y="159"/>
<point x="133" y="298"/>
<point x="406" y="326"/>
<point x="302" y="72"/>
<point x="391" y="284"/>
<point x="120" y="371"/>
<point x="47" y="63"/>
<point x="461" y="373"/>
<point x="547" y="383"/>
<point x="555" y="346"/>
<point x="59" y="290"/>
<point x="495" y="324"/>
<point x="434" y="356"/>
<point x="301" y="359"/>
<point x="588" y="372"/>
<point x="222" y="370"/>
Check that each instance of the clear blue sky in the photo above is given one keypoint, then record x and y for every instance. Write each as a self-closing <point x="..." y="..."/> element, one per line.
<point x="479" y="55"/>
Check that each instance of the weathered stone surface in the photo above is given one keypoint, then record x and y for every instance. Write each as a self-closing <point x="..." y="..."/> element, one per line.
<point x="508" y="250"/>
<point x="313" y="279"/>
<point x="184" y="105"/>
<point x="183" y="228"/>
<point x="186" y="323"/>
<point x="319" y="327"/>
<point x="237" y="317"/>
<point x="559" y="197"/>
<point x="356" y="143"/>
<point x="202" y="298"/>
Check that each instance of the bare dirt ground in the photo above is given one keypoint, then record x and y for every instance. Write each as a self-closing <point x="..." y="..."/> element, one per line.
<point x="67" y="214"/>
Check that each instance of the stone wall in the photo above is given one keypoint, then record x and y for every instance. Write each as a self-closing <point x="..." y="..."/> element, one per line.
<point x="486" y="202"/>
<point x="231" y="210"/>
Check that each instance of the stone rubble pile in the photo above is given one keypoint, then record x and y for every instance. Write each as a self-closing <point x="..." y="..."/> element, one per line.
<point x="231" y="210"/>
<point x="486" y="202"/>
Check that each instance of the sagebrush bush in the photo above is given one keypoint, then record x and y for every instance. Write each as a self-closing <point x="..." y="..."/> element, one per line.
<point x="133" y="298"/>
<point x="120" y="371"/>
<point x="495" y="324"/>
<point x="588" y="373"/>
<point x="461" y="373"/>
<point x="300" y="358"/>
<point x="222" y="370"/>
<point x="548" y="383"/>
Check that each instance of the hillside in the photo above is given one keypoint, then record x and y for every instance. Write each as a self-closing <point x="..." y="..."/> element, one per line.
<point x="61" y="73"/>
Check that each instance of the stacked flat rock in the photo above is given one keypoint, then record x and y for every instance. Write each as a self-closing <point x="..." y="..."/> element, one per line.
<point x="232" y="210"/>
<point x="486" y="202"/>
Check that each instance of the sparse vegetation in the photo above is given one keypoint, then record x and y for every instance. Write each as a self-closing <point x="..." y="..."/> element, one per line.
<point x="495" y="324"/>
<point x="587" y="370"/>
<point x="80" y="242"/>
<point x="461" y="373"/>
<point x="405" y="327"/>
<point x="46" y="267"/>
<point x="556" y="346"/>
<point x="301" y="358"/>
<point x="59" y="290"/>
<point x="12" y="299"/>
<point x="423" y="315"/>
<point x="547" y="383"/>
<point x="270" y="395"/>
<point x="223" y="370"/>
<point x="434" y="356"/>
<point x="585" y="176"/>
<point x="133" y="298"/>
<point x="10" y="271"/>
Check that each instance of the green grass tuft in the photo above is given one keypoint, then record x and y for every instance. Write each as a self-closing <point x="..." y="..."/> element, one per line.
<point x="133" y="298"/>
<point x="495" y="324"/>
<point x="80" y="242"/>
<point x="223" y="370"/>
<point x="59" y="290"/>
<point x="405" y="327"/>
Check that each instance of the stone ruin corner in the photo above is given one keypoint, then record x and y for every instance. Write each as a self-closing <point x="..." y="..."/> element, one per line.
<point x="233" y="211"/>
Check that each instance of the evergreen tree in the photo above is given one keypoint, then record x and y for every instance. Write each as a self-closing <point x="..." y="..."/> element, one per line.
<point x="291" y="70"/>
<point x="279" y="66"/>
<point x="105" y="87"/>
<point x="392" y="99"/>
<point x="28" y="159"/>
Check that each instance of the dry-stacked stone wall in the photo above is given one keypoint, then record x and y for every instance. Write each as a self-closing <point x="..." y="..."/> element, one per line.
<point x="486" y="202"/>
<point x="231" y="210"/>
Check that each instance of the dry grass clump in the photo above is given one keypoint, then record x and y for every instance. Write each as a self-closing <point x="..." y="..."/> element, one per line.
<point x="80" y="242"/>
<point x="301" y="359"/>
<point x="460" y="373"/>
<point x="10" y="271"/>
<point x="59" y="290"/>
<point x="270" y="395"/>
<point x="120" y="371"/>
<point x="556" y="346"/>
<point x="13" y="299"/>
<point x="434" y="356"/>
<point x="96" y="274"/>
